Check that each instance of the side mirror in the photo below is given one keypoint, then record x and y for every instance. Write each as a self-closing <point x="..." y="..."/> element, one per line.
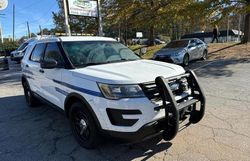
<point x="191" y="45"/>
<point x="49" y="64"/>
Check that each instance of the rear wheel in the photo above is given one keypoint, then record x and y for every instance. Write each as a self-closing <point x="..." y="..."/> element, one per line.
<point x="204" y="55"/>
<point x="186" y="60"/>
<point x="83" y="126"/>
<point x="29" y="96"/>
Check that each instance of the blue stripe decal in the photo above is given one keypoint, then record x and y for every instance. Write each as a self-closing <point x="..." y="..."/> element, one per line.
<point x="61" y="91"/>
<point x="83" y="90"/>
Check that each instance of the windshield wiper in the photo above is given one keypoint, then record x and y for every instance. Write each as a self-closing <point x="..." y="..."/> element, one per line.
<point x="91" y="64"/>
<point x="113" y="61"/>
<point x="121" y="60"/>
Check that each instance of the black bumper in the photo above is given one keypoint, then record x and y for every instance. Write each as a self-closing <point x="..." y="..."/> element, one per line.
<point x="173" y="109"/>
<point x="16" y="58"/>
<point x="146" y="132"/>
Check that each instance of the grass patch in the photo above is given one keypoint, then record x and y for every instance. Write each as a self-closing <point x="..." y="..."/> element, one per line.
<point x="151" y="50"/>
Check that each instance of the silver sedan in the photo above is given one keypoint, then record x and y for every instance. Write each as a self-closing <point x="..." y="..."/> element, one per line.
<point x="182" y="51"/>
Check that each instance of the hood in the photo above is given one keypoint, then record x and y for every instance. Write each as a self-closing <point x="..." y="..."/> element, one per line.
<point x="169" y="51"/>
<point x="132" y="72"/>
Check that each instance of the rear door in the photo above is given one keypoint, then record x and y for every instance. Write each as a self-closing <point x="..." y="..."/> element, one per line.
<point x="32" y="68"/>
<point x="193" y="51"/>
<point x="52" y="91"/>
<point x="200" y="46"/>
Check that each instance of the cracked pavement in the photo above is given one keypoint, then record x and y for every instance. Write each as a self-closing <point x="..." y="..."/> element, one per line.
<point x="43" y="133"/>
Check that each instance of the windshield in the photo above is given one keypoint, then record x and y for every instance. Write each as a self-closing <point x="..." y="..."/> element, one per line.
<point x="87" y="53"/>
<point x="21" y="47"/>
<point x="177" y="44"/>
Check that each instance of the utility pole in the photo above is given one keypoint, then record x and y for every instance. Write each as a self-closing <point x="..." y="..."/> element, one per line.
<point x="100" y="27"/>
<point x="28" y="27"/>
<point x="13" y="22"/>
<point x="1" y="32"/>
<point x="228" y="27"/>
<point x="67" y="26"/>
<point x="41" y="31"/>
<point x="239" y="27"/>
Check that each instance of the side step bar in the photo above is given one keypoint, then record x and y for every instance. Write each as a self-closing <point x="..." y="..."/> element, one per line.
<point x="172" y="108"/>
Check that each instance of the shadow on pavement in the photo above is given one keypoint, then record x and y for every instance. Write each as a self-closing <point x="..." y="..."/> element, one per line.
<point x="224" y="48"/>
<point x="219" y="68"/>
<point x="44" y="133"/>
<point x="148" y="149"/>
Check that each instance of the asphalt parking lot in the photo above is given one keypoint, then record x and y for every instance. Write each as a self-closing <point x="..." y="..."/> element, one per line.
<point x="43" y="133"/>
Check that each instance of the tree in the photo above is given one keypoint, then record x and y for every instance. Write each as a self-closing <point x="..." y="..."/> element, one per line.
<point x="7" y="47"/>
<point x="150" y="14"/>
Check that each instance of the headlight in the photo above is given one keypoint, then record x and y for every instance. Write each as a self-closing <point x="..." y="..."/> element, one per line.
<point x="21" y="54"/>
<point x="121" y="91"/>
<point x="180" y="53"/>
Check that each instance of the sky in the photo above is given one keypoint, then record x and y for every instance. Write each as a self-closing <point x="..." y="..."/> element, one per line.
<point x="36" y="12"/>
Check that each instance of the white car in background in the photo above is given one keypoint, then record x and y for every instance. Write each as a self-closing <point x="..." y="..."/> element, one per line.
<point x="18" y="54"/>
<point x="105" y="88"/>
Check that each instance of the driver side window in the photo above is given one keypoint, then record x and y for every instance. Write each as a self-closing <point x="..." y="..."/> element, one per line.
<point x="53" y="52"/>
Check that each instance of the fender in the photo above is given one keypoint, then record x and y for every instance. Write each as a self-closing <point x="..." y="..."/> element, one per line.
<point x="83" y="100"/>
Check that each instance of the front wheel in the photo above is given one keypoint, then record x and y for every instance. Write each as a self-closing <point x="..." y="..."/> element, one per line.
<point x="83" y="126"/>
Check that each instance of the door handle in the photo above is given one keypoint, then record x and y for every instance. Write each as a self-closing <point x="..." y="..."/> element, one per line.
<point x="41" y="71"/>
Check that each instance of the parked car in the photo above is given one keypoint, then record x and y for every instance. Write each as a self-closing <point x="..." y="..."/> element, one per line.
<point x="18" y="54"/>
<point x="105" y="88"/>
<point x="156" y="42"/>
<point x="4" y="64"/>
<point x="182" y="51"/>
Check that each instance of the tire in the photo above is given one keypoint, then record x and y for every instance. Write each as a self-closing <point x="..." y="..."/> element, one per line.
<point x="29" y="96"/>
<point x="204" y="55"/>
<point x="83" y="126"/>
<point x="185" y="60"/>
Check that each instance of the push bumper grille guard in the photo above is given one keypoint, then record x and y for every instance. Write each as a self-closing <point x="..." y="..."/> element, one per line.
<point x="172" y="108"/>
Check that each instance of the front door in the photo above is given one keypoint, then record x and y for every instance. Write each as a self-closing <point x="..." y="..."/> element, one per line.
<point x="51" y="76"/>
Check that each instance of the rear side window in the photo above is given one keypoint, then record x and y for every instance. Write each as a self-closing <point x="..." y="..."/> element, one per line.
<point x="53" y="52"/>
<point x="37" y="52"/>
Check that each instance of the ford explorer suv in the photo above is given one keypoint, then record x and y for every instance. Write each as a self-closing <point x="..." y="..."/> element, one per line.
<point x="107" y="90"/>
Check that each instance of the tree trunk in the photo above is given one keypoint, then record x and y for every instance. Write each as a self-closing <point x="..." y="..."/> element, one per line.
<point x="246" y="37"/>
<point x="151" y="39"/>
<point x="151" y="36"/>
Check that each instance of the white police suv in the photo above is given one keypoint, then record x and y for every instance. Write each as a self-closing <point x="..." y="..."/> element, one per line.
<point x="106" y="89"/>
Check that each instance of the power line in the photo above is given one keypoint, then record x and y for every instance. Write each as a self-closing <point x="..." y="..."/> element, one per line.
<point x="38" y="19"/>
<point x="46" y="13"/>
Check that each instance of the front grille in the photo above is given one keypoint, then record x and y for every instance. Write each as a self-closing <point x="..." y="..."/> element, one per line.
<point x="152" y="93"/>
<point x="164" y="59"/>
